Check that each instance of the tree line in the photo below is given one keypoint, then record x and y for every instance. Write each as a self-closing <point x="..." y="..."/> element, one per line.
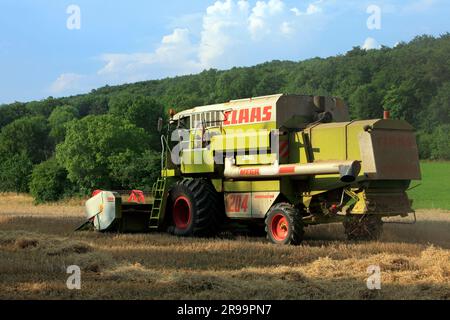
<point x="107" y="139"/>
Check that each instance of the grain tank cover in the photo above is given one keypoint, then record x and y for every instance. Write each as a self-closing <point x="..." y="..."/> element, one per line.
<point x="277" y="111"/>
<point x="296" y="111"/>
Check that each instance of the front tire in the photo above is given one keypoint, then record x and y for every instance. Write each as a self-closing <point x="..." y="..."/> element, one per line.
<point x="363" y="228"/>
<point x="284" y="225"/>
<point x="195" y="208"/>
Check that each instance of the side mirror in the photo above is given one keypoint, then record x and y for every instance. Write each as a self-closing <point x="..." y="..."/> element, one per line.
<point x="160" y="125"/>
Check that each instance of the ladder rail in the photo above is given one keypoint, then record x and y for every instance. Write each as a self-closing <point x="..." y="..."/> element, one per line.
<point x="159" y="195"/>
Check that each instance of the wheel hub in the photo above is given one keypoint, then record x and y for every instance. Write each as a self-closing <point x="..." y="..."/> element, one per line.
<point x="182" y="213"/>
<point x="280" y="227"/>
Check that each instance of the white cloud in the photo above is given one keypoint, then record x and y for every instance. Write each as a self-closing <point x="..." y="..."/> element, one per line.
<point x="232" y="28"/>
<point x="222" y="27"/>
<point x="244" y="6"/>
<point x="370" y="44"/>
<point x="66" y="82"/>
<point x="286" y="28"/>
<point x="176" y="53"/>
<point x="231" y="33"/>
<point x="312" y="8"/>
<point x="296" y="11"/>
<point x="263" y="14"/>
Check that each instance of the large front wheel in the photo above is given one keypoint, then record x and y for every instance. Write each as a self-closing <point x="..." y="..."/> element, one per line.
<point x="284" y="225"/>
<point x="195" y="208"/>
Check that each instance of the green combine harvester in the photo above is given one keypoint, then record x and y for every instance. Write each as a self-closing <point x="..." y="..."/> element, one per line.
<point x="276" y="164"/>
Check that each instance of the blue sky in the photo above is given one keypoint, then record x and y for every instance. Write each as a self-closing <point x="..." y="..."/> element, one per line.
<point x="127" y="41"/>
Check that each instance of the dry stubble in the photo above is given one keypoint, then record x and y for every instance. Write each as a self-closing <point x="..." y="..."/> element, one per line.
<point x="37" y="244"/>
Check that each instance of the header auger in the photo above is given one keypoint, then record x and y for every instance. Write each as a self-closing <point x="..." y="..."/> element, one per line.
<point x="279" y="162"/>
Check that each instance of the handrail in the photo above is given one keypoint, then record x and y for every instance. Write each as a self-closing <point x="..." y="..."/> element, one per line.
<point x="164" y="146"/>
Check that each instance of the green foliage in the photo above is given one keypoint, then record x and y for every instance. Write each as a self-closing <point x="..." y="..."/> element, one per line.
<point x="236" y="84"/>
<point x="58" y="121"/>
<point x="401" y="101"/>
<point x="435" y="145"/>
<point x="136" y="171"/>
<point x="15" y="171"/>
<point x="140" y="110"/>
<point x="42" y="108"/>
<point x="48" y="181"/>
<point x="269" y="83"/>
<point x="426" y="143"/>
<point x="439" y="107"/>
<point x="90" y="146"/>
<point x="12" y="112"/>
<point x="366" y="101"/>
<point x="441" y="143"/>
<point x="91" y="104"/>
<point x="28" y="135"/>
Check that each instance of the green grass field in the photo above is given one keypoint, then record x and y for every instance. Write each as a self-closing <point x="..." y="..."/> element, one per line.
<point x="434" y="191"/>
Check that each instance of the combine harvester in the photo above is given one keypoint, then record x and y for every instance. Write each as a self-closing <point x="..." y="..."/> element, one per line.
<point x="277" y="163"/>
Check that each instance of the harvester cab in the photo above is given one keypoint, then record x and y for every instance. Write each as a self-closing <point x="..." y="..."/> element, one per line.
<point x="278" y="163"/>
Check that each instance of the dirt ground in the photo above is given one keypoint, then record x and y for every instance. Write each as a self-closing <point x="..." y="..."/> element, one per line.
<point x="37" y="244"/>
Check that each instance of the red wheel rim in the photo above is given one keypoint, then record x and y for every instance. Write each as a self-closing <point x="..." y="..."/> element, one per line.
<point x="182" y="213"/>
<point x="279" y="227"/>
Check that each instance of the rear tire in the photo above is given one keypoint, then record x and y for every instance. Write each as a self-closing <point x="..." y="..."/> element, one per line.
<point x="363" y="228"/>
<point x="284" y="225"/>
<point x="195" y="208"/>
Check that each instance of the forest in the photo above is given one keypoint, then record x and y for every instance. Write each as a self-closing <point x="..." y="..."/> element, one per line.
<point x="107" y="139"/>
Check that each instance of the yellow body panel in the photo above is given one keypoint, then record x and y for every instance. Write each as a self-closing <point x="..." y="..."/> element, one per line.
<point x="251" y="186"/>
<point x="240" y="139"/>
<point x="168" y="173"/>
<point x="328" y="143"/>
<point x="218" y="184"/>
<point x="197" y="161"/>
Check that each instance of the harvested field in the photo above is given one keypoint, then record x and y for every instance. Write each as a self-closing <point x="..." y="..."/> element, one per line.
<point x="37" y="244"/>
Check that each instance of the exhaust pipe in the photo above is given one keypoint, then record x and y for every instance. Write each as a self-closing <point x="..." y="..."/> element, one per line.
<point x="349" y="173"/>
<point x="348" y="170"/>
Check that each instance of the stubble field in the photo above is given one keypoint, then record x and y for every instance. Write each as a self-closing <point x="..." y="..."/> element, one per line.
<point x="37" y="244"/>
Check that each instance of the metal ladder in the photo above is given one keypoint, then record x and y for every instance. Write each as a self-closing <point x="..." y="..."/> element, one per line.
<point x="159" y="190"/>
<point x="159" y="194"/>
